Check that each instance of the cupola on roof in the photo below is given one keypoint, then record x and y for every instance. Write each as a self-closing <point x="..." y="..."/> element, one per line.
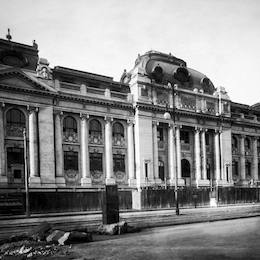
<point x="164" y="68"/>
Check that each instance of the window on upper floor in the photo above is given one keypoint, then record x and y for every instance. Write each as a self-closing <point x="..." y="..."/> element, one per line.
<point x="160" y="136"/>
<point x="95" y="127"/>
<point x="247" y="144"/>
<point x="70" y="124"/>
<point x="207" y="138"/>
<point x="234" y="142"/>
<point x="118" y="130"/>
<point x="15" y="122"/>
<point x="70" y="129"/>
<point x="185" y="137"/>
<point x="95" y="132"/>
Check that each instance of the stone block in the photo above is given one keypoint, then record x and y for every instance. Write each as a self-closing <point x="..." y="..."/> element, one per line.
<point x="55" y="236"/>
<point x="113" y="229"/>
<point x="40" y="232"/>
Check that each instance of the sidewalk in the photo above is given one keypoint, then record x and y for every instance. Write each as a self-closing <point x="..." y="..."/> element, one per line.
<point x="15" y="225"/>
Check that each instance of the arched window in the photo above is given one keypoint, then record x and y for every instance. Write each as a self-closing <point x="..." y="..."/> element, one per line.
<point x="95" y="132"/>
<point x="161" y="170"/>
<point x="70" y="129"/>
<point x="70" y="124"/>
<point x="15" y="122"/>
<point x="94" y="127"/>
<point x="207" y="138"/>
<point x="118" y="130"/>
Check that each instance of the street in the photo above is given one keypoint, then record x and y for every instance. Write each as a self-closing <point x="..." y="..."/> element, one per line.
<point x="230" y="239"/>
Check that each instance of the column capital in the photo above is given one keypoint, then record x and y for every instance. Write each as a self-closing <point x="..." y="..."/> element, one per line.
<point x="130" y="121"/>
<point x="155" y="123"/>
<point x="198" y="129"/>
<point x="58" y="112"/>
<point x="108" y="119"/>
<point x="32" y="109"/>
<point x="255" y="138"/>
<point x="2" y="104"/>
<point x="242" y="136"/>
<point x="171" y="125"/>
<point x="84" y="116"/>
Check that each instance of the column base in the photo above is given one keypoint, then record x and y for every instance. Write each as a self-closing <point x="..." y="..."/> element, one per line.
<point x="243" y="183"/>
<point x="34" y="181"/>
<point x="224" y="183"/>
<point x="180" y="182"/>
<point x="86" y="182"/>
<point x="110" y="181"/>
<point x="132" y="182"/>
<point x="60" y="181"/>
<point x="158" y="181"/>
<point x="201" y="183"/>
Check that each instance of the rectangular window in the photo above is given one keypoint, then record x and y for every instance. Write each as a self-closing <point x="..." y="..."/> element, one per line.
<point x="248" y="169"/>
<point x="15" y="156"/>
<point x="160" y="134"/>
<point x="96" y="163"/>
<point x="119" y="162"/>
<point x="235" y="168"/>
<point x="70" y="160"/>
<point x="185" y="137"/>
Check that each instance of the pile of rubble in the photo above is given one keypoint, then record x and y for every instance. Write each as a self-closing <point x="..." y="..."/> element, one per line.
<point x="43" y="242"/>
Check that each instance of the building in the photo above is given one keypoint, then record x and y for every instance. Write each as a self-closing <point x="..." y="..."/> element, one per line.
<point x="72" y="129"/>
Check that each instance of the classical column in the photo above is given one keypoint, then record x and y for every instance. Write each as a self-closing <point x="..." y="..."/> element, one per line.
<point x="217" y="157"/>
<point x="242" y="159"/>
<point x="85" y="179"/>
<point x="130" y="153"/>
<point x="109" y="152"/>
<point x="33" y="147"/>
<point x="255" y="159"/>
<point x="178" y="151"/>
<point x="3" y="177"/>
<point x="155" y="152"/>
<point x="204" y="154"/>
<point x="171" y="157"/>
<point x="59" y="178"/>
<point x="197" y="155"/>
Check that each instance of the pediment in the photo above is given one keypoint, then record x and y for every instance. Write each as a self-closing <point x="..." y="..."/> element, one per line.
<point x="16" y="78"/>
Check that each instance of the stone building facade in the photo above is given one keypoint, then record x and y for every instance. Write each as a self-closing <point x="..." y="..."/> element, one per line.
<point x="75" y="129"/>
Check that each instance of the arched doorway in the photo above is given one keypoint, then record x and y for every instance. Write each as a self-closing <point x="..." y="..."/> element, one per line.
<point x="185" y="171"/>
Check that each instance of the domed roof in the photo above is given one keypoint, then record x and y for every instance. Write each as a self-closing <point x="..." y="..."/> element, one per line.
<point x="163" y="68"/>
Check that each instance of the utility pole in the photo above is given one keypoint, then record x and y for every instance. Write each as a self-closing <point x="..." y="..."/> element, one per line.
<point x="27" y="203"/>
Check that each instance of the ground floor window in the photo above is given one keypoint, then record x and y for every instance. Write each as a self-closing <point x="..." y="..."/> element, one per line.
<point x="96" y="163"/>
<point x="235" y="168"/>
<point x="70" y="160"/>
<point x="248" y="169"/>
<point x="161" y="170"/>
<point x="15" y="156"/>
<point x="119" y="162"/>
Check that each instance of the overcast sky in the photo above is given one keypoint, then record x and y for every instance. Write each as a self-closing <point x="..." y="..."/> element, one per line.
<point x="219" y="38"/>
